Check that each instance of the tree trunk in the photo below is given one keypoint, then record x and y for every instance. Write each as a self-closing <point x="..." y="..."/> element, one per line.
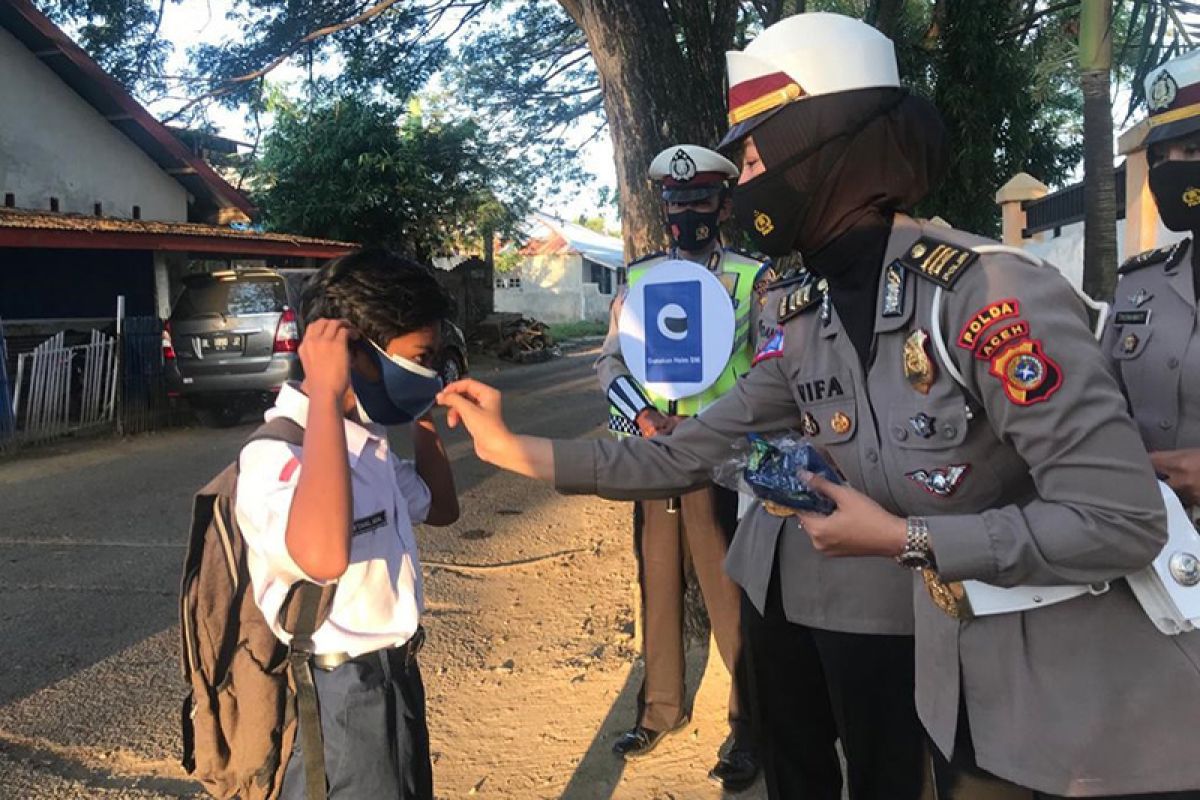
<point x="657" y="91"/>
<point x="885" y="16"/>
<point x="1099" y="184"/>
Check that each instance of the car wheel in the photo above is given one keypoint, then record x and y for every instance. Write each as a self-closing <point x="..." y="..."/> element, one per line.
<point x="451" y="369"/>
<point x="223" y="416"/>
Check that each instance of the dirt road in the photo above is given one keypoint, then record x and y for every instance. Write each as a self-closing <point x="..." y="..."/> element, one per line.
<point x="531" y="667"/>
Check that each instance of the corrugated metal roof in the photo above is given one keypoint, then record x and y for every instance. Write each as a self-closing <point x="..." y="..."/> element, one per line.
<point x="598" y="247"/>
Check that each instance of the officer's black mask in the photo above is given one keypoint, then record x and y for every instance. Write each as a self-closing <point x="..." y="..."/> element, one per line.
<point x="1176" y="189"/>
<point x="692" y="229"/>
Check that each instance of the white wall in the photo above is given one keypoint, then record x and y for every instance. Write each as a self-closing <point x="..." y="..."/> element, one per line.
<point x="556" y="305"/>
<point x="53" y="144"/>
<point x="1065" y="251"/>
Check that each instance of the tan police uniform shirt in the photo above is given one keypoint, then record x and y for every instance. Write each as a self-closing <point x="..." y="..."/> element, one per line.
<point x="1152" y="340"/>
<point x="1031" y="474"/>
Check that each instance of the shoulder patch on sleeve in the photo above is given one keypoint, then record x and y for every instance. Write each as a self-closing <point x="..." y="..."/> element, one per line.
<point x="1168" y="255"/>
<point x="647" y="257"/>
<point x="937" y="261"/>
<point x="1028" y="375"/>
<point x="805" y="296"/>
<point x="771" y="348"/>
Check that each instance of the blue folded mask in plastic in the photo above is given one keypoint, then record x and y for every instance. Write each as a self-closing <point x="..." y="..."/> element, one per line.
<point x="404" y="392"/>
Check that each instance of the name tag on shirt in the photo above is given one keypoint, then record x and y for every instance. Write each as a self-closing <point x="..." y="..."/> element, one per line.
<point x="1139" y="317"/>
<point x="368" y="524"/>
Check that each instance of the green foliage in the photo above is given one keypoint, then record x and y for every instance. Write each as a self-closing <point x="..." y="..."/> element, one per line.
<point x="353" y="170"/>
<point x="122" y="35"/>
<point x="577" y="330"/>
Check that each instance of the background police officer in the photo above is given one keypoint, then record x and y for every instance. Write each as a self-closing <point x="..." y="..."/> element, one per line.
<point x="699" y="525"/>
<point x="1153" y="337"/>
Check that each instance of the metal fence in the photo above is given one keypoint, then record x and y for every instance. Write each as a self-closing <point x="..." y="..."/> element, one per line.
<point x="63" y="389"/>
<point x="144" y="402"/>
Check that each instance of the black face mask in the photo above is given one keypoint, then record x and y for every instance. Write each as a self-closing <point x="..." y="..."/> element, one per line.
<point x="1176" y="189"/>
<point x="770" y="210"/>
<point x="693" y="230"/>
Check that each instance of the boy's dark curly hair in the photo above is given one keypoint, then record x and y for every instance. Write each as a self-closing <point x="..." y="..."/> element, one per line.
<point x="378" y="292"/>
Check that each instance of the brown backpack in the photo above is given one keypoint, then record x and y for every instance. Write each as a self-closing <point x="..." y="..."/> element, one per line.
<point x="246" y="688"/>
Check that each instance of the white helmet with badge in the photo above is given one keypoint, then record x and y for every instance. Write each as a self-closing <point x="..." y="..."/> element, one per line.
<point x="688" y="172"/>
<point x="1173" y="98"/>
<point x="804" y="55"/>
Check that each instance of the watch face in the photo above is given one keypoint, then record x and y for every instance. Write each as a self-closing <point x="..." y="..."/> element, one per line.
<point x="913" y="559"/>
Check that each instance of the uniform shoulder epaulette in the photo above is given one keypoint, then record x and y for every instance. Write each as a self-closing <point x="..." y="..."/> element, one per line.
<point x="1168" y="255"/>
<point x="647" y="257"/>
<point x="938" y="261"/>
<point x="808" y="294"/>
<point x="737" y="251"/>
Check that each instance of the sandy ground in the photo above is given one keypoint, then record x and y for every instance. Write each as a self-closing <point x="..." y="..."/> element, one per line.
<point x="531" y="668"/>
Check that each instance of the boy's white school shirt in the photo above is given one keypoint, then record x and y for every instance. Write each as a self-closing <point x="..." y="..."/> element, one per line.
<point x="379" y="598"/>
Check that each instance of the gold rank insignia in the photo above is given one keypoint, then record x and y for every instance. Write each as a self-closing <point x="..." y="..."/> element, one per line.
<point x="841" y="423"/>
<point x="1129" y="343"/>
<point x="800" y="299"/>
<point x="919" y="369"/>
<point x="938" y="262"/>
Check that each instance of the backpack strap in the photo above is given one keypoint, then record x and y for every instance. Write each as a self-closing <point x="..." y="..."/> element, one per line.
<point x="312" y="603"/>
<point x="308" y="618"/>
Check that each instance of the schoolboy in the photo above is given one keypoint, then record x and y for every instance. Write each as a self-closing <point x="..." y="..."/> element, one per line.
<point x="342" y="509"/>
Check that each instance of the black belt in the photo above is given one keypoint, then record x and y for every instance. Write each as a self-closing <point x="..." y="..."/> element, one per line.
<point x="407" y="651"/>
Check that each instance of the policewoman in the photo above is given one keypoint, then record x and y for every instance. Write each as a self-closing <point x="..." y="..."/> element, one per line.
<point x="984" y="442"/>
<point x="1152" y="338"/>
<point x="700" y="524"/>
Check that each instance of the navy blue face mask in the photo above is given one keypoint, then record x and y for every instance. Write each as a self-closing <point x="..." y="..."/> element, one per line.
<point x="404" y="392"/>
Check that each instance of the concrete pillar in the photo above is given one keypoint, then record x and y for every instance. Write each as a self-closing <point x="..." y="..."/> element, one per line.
<point x="1019" y="189"/>
<point x="1141" y="214"/>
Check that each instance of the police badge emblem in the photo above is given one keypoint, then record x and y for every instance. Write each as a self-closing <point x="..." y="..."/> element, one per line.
<point x="923" y="425"/>
<point x="919" y="370"/>
<point x="683" y="166"/>
<point x="763" y="223"/>
<point x="808" y="425"/>
<point x="841" y="423"/>
<point x="1129" y="343"/>
<point x="940" y="482"/>
<point x="1162" y="92"/>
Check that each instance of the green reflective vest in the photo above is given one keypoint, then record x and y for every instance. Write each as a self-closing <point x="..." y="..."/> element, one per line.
<point x="738" y="275"/>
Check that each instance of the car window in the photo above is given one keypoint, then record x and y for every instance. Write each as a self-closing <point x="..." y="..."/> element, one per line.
<point x="232" y="298"/>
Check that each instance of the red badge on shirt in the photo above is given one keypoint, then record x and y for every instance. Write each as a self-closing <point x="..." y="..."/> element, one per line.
<point x="969" y="336"/>
<point x="1029" y="376"/>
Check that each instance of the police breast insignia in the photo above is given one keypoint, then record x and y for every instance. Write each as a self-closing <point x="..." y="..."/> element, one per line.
<point x="808" y="425"/>
<point x="1028" y="375"/>
<point x="984" y="318"/>
<point x="938" y="262"/>
<point x="1139" y="299"/>
<point x="923" y="425"/>
<point x="771" y="348"/>
<point x="841" y="423"/>
<point x="994" y="341"/>
<point x="940" y="482"/>
<point x="893" y="291"/>
<point x="1129" y="343"/>
<point x="919" y="369"/>
<point x="826" y="310"/>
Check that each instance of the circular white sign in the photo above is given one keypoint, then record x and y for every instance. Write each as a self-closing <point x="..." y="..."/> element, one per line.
<point x="676" y="329"/>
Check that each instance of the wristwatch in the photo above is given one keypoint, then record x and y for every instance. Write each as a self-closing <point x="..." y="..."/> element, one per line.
<point x="918" y="553"/>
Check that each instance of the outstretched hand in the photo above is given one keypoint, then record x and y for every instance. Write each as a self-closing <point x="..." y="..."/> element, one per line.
<point x="477" y="407"/>
<point x="858" y="526"/>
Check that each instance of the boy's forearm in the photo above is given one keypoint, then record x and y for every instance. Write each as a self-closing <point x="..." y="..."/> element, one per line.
<point x="434" y="468"/>
<point x="318" y="531"/>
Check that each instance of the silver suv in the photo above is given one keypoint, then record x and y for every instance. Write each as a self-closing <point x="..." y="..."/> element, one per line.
<point x="231" y="342"/>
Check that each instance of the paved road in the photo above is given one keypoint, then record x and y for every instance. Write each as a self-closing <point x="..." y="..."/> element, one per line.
<point x="91" y="543"/>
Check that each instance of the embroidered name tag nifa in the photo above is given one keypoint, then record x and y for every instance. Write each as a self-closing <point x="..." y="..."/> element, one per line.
<point x="820" y="389"/>
<point x="369" y="523"/>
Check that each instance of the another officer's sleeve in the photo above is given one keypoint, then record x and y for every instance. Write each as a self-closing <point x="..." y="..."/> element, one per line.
<point x="1107" y="344"/>
<point x="633" y="468"/>
<point x="1096" y="513"/>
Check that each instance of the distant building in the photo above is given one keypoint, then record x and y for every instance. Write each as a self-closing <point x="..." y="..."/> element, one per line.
<point x="98" y="198"/>
<point x="567" y="273"/>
